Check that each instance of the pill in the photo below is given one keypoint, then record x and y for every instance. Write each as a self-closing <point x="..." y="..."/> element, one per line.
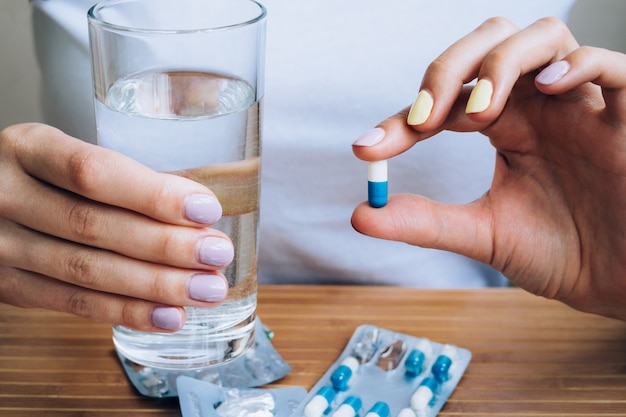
<point x="406" y="412"/>
<point x="441" y="367"/>
<point x="320" y="402"/>
<point x="424" y="395"/>
<point x="414" y="362"/>
<point x="349" y="408"/>
<point x="425" y="346"/>
<point x="339" y="379"/>
<point x="380" y="409"/>
<point x="377" y="184"/>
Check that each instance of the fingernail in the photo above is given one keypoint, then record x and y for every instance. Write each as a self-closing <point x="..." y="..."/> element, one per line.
<point x="370" y="138"/>
<point x="207" y="287"/>
<point x="167" y="318"/>
<point x="553" y="72"/>
<point x="480" y="98"/>
<point x="420" y="110"/>
<point x="203" y="208"/>
<point x="216" y="251"/>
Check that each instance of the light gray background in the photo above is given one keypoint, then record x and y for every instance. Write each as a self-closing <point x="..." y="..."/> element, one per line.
<point x="594" y="22"/>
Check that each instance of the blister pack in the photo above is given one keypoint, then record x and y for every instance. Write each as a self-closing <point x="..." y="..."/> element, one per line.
<point x="382" y="373"/>
<point x="259" y="366"/>
<point x="202" y="399"/>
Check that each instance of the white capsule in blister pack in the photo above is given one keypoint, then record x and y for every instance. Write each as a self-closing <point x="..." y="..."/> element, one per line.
<point x="380" y="409"/>
<point x="407" y="412"/>
<point x="318" y="405"/>
<point x="382" y="373"/>
<point x="349" y="407"/>
<point x="340" y="378"/>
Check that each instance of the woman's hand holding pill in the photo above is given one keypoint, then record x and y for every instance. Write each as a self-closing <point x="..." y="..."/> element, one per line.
<point x="90" y="232"/>
<point x="554" y="219"/>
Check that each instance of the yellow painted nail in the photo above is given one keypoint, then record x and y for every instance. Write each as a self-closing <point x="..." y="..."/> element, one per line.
<point x="480" y="98"/>
<point x="420" y="110"/>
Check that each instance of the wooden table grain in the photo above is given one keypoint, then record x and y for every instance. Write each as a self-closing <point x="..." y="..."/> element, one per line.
<point x="531" y="356"/>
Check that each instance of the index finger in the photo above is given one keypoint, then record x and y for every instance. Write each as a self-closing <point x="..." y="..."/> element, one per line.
<point x="105" y="176"/>
<point x="440" y="105"/>
<point x="456" y="66"/>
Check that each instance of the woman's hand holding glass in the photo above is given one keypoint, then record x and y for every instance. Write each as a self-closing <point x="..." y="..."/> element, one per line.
<point x="88" y="231"/>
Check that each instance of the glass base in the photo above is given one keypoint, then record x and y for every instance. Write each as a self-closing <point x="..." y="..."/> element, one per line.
<point x="189" y="348"/>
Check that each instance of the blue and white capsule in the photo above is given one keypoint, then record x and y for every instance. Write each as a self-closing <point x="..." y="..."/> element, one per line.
<point x="340" y="378"/>
<point x="377" y="184"/>
<point x="349" y="408"/>
<point x="406" y="412"/>
<point x="424" y="395"/>
<point x="417" y="358"/>
<point x="320" y="402"/>
<point x="380" y="409"/>
<point x="441" y="369"/>
<point x="414" y="363"/>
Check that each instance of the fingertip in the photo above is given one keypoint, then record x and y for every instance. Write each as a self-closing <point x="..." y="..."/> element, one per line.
<point x="480" y="97"/>
<point x="216" y="251"/>
<point x="368" y="220"/>
<point x="370" y="138"/>
<point x="421" y="109"/>
<point x="168" y="318"/>
<point x="391" y="137"/>
<point x="553" y="73"/>
<point x="202" y="208"/>
<point x="360" y="217"/>
<point x="205" y="287"/>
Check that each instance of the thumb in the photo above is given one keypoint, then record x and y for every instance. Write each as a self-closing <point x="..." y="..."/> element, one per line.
<point x="416" y="220"/>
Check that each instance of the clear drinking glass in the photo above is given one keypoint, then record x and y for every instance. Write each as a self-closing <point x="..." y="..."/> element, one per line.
<point x="178" y="86"/>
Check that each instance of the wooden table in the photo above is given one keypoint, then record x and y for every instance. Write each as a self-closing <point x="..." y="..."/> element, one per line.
<point x="531" y="356"/>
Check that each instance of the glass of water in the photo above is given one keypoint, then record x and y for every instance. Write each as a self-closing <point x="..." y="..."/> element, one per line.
<point x="178" y="86"/>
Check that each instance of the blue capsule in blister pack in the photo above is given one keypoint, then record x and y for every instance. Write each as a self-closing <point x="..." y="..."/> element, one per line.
<point x="382" y="373"/>
<point x="320" y="403"/>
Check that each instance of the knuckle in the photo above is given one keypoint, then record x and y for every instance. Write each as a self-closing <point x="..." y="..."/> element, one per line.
<point x="587" y="51"/>
<point x="160" y="287"/>
<point x="555" y="29"/>
<point x="168" y="244"/>
<point x="83" y="269"/>
<point x="553" y="23"/>
<point x="128" y="315"/>
<point x="11" y="283"/>
<point x="86" y="169"/>
<point x="157" y="200"/>
<point x="84" y="221"/>
<point x="134" y="314"/>
<point x="499" y="23"/>
<point x="11" y="136"/>
<point x="439" y="65"/>
<point x="79" y="303"/>
<point x="497" y="57"/>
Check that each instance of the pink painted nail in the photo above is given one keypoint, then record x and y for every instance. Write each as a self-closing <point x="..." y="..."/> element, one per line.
<point x="553" y="72"/>
<point x="215" y="251"/>
<point x="207" y="287"/>
<point x="167" y="318"/>
<point x="203" y="209"/>
<point x="371" y="137"/>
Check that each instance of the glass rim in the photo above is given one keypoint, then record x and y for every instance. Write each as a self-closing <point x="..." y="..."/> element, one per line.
<point x="93" y="19"/>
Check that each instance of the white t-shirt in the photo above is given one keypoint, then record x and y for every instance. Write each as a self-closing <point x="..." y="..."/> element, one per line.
<point x="334" y="69"/>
